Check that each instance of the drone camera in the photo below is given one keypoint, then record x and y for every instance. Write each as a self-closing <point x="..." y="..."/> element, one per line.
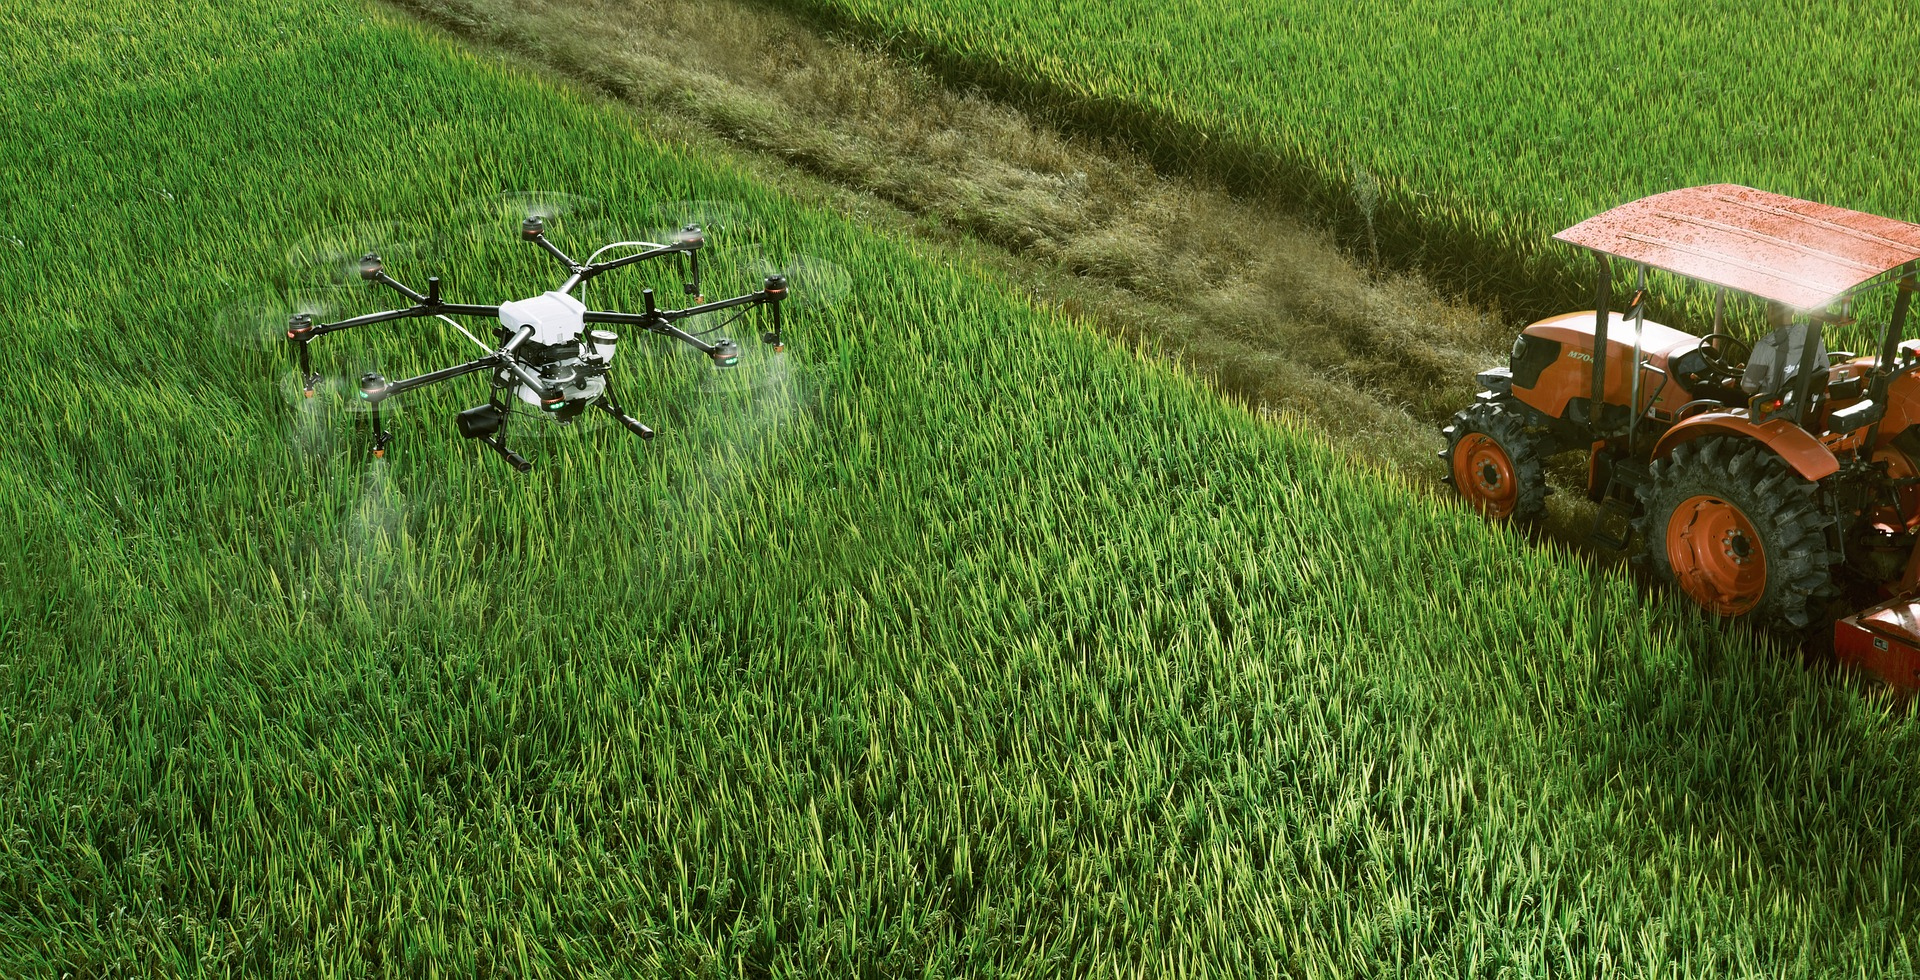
<point x="479" y="421"/>
<point x="370" y="266"/>
<point x="532" y="228"/>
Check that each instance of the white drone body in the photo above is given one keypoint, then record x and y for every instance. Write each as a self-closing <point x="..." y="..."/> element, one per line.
<point x="557" y="318"/>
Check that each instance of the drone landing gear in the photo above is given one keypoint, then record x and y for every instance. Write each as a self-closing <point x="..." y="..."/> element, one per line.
<point x="488" y="424"/>
<point x="372" y="390"/>
<point x="612" y="407"/>
<point x="380" y="435"/>
<point x="513" y="459"/>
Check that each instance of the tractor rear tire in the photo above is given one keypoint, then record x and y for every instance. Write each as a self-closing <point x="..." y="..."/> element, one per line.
<point x="1494" y="462"/>
<point x="1737" y="531"/>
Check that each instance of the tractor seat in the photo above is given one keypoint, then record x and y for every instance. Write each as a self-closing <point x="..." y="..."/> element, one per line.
<point x="1776" y="360"/>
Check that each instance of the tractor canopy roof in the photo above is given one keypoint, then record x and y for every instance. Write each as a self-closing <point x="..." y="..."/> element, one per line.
<point x="1778" y="248"/>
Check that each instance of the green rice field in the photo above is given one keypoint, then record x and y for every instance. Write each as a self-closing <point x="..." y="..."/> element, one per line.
<point x="1460" y="134"/>
<point x="955" y="641"/>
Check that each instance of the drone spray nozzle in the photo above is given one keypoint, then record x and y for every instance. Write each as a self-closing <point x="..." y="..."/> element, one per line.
<point x="533" y="227"/>
<point x="370" y="266"/>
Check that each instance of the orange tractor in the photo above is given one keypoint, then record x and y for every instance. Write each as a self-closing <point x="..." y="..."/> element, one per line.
<point x="1766" y="481"/>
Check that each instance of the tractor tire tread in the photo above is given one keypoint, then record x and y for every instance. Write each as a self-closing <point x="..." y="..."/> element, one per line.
<point x="1782" y="505"/>
<point x="1505" y="419"/>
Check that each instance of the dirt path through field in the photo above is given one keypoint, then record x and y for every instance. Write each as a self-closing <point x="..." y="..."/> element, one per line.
<point x="1267" y="307"/>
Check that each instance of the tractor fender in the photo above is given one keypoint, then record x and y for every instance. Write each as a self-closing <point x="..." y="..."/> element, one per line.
<point x="1788" y="441"/>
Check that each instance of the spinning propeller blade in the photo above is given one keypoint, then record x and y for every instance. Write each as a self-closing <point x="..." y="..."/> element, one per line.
<point x="498" y="217"/>
<point x="721" y="219"/>
<point x="814" y="284"/>
<point x="257" y="320"/>
<point x="332" y="255"/>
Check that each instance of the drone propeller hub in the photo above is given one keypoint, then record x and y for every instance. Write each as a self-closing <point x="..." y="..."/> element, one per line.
<point x="370" y="266"/>
<point x="533" y="227"/>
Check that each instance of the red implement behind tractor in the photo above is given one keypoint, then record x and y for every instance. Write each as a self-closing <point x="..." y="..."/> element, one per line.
<point x="1763" y="480"/>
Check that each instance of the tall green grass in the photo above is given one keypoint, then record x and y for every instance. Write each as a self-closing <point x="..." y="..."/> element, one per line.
<point x="1459" y="135"/>
<point x="972" y="645"/>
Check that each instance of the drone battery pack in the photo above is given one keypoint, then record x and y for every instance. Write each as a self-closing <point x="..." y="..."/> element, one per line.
<point x="478" y="422"/>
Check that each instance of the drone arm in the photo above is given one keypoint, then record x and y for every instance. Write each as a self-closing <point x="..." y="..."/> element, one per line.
<point x="649" y="319"/>
<point x="583" y="273"/>
<point x="661" y="321"/>
<point x="456" y="309"/>
<point x="380" y="394"/>
<point x="366" y="320"/>
<point x="676" y="333"/>
<point x="463" y="309"/>
<point x="652" y="253"/>
<point x="386" y="280"/>
<point x="554" y="250"/>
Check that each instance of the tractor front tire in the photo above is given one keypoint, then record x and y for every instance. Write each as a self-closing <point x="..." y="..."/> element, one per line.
<point x="1739" y="532"/>
<point x="1494" y="462"/>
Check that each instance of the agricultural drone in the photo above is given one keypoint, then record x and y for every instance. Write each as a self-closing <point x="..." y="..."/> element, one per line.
<point x="553" y="352"/>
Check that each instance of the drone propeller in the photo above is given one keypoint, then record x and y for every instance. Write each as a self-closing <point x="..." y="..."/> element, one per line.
<point x="753" y="378"/>
<point x="332" y="255"/>
<point x="257" y="320"/>
<point x="500" y="216"/>
<point x="670" y="220"/>
<point x="814" y="285"/>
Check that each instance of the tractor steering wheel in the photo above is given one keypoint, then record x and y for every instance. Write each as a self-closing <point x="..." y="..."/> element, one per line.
<point x="1719" y="357"/>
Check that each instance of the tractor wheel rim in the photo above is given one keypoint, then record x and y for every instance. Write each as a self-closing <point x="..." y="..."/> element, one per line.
<point x="1716" y="555"/>
<point x="1483" y="472"/>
